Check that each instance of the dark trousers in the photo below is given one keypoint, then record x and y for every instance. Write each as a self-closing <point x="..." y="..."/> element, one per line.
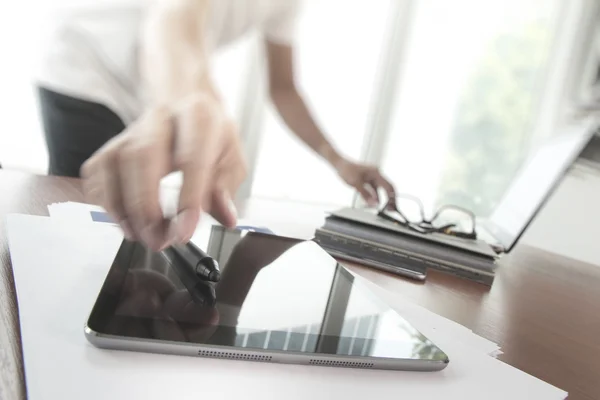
<point x="74" y="130"/>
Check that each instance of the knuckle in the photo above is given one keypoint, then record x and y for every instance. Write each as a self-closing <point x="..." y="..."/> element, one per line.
<point x="202" y="109"/>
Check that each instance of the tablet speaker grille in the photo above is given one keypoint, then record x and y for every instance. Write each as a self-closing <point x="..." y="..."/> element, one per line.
<point x="233" y="356"/>
<point x="347" y="364"/>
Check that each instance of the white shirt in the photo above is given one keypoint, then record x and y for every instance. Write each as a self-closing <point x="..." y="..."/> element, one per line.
<point x="91" y="52"/>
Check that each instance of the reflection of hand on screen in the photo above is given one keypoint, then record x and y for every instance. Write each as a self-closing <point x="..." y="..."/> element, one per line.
<point x="197" y="322"/>
<point x="172" y="314"/>
<point x="143" y="294"/>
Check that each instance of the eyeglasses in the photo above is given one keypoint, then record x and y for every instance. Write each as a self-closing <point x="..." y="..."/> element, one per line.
<point x="408" y="211"/>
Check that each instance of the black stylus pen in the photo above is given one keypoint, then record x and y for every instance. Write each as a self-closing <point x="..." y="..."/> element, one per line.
<point x="200" y="291"/>
<point x="203" y="265"/>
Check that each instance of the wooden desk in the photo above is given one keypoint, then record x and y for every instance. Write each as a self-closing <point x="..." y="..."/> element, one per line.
<point x="543" y="310"/>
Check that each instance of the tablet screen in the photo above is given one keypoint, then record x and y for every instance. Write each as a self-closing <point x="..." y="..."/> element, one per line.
<point x="274" y="294"/>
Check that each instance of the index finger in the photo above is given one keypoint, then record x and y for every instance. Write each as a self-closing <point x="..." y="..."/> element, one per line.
<point x="196" y="152"/>
<point x="143" y="162"/>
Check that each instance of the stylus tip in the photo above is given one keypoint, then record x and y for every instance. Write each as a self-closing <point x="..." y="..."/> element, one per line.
<point x="214" y="276"/>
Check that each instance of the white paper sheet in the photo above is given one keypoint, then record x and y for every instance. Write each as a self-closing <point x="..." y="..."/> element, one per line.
<point x="72" y="212"/>
<point x="433" y="325"/>
<point x="59" y="268"/>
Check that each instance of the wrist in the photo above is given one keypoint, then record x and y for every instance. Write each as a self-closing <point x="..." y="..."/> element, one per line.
<point x="330" y="155"/>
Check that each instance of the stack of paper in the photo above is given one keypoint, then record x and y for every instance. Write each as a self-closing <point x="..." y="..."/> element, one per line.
<point x="59" y="266"/>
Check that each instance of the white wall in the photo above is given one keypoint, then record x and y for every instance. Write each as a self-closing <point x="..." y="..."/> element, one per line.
<point x="21" y="141"/>
<point x="569" y="224"/>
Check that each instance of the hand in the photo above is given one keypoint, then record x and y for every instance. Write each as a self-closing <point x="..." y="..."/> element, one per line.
<point x="366" y="179"/>
<point x="194" y="137"/>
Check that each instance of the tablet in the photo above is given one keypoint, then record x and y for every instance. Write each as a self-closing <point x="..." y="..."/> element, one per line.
<point x="278" y="300"/>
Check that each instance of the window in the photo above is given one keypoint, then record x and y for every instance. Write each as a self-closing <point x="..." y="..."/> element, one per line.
<point x="469" y="99"/>
<point x="338" y="53"/>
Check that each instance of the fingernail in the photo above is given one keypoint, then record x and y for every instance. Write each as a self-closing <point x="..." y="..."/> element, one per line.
<point x="372" y="202"/>
<point x="185" y="226"/>
<point x="127" y="231"/>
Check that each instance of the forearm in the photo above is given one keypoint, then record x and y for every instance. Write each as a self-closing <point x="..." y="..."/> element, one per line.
<point x="173" y="55"/>
<point x="298" y="118"/>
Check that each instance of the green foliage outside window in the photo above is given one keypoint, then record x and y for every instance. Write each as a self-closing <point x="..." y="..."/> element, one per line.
<point x="489" y="139"/>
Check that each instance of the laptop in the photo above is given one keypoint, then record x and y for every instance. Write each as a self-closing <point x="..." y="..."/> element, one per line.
<point x="533" y="186"/>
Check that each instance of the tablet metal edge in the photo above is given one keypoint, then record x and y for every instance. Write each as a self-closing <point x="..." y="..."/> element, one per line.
<point x="259" y="355"/>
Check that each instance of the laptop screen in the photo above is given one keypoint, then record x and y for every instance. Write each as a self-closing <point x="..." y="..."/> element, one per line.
<point x="536" y="181"/>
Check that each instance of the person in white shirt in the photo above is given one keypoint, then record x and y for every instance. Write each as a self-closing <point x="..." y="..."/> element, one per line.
<point x="126" y="97"/>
